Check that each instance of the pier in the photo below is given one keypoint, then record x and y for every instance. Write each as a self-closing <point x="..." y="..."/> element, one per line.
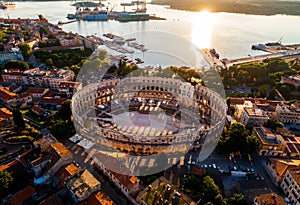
<point x="212" y="58"/>
<point x="275" y="50"/>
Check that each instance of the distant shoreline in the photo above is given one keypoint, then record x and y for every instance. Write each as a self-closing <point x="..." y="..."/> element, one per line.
<point x="255" y="7"/>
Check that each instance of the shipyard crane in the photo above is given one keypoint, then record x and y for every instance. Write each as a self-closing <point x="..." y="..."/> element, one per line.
<point x="136" y="3"/>
<point x="279" y="41"/>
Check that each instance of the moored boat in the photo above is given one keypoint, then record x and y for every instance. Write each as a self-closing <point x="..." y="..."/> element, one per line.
<point x="9" y="5"/>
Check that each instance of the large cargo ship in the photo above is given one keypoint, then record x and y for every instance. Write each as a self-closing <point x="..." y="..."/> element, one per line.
<point x="101" y="16"/>
<point x="126" y="16"/>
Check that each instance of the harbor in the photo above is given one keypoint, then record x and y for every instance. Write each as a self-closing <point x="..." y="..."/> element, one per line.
<point x="103" y="13"/>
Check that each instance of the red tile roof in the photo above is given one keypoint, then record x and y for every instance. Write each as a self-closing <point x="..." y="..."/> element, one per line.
<point x="270" y="199"/>
<point x="50" y="93"/>
<point x="5" y="113"/>
<point x="24" y="95"/>
<point x="22" y="195"/>
<point x="100" y="198"/>
<point x="52" y="100"/>
<point x="52" y="200"/>
<point x="6" y="95"/>
<point x="36" y="90"/>
<point x="37" y="110"/>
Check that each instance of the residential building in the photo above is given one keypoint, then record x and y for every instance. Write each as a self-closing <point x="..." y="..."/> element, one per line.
<point x="81" y="185"/>
<point x="166" y="192"/>
<point x="69" y="88"/>
<point x="269" y="199"/>
<point x="254" y="117"/>
<point x="51" y="159"/>
<point x="52" y="102"/>
<point x="37" y="77"/>
<point x="25" y="99"/>
<point x="7" y="96"/>
<point x="21" y="196"/>
<point x="128" y="184"/>
<point x="6" y="118"/>
<point x="271" y="144"/>
<point x="268" y="106"/>
<point x="6" y="57"/>
<point x="277" y="168"/>
<point x="54" y="199"/>
<point x="291" y="185"/>
<point x="39" y="111"/>
<point x="64" y="173"/>
<point x="292" y="142"/>
<point x="288" y="113"/>
<point x="100" y="198"/>
<point x="15" y="88"/>
<point x="37" y="92"/>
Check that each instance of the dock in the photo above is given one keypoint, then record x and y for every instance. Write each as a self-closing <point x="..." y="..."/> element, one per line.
<point x="66" y="22"/>
<point x="212" y="58"/>
<point x="274" y="50"/>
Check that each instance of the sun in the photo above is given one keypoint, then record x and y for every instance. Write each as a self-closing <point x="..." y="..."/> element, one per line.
<point x="203" y="23"/>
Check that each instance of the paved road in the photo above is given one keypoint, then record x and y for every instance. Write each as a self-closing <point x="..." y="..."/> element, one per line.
<point x="258" y="166"/>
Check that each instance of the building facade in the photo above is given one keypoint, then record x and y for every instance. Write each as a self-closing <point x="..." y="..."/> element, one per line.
<point x="291" y="185"/>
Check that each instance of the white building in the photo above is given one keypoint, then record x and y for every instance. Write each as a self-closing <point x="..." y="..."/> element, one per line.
<point x="288" y="114"/>
<point x="254" y="117"/>
<point x="291" y="185"/>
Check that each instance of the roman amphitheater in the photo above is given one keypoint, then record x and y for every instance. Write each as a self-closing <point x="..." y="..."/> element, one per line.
<point x="148" y="115"/>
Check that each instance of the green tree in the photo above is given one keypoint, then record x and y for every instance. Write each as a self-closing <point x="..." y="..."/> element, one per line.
<point x="236" y="137"/>
<point x="18" y="119"/>
<point x="285" y="91"/>
<point x="25" y="49"/>
<point x="6" y="179"/>
<point x="65" y="112"/>
<point x="75" y="69"/>
<point x="49" y="62"/>
<point x="236" y="140"/>
<point x="237" y="199"/>
<point x="272" y="94"/>
<point x="253" y="145"/>
<point x="44" y="30"/>
<point x="209" y="189"/>
<point x="262" y="91"/>
<point x="16" y="64"/>
<point x="277" y="65"/>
